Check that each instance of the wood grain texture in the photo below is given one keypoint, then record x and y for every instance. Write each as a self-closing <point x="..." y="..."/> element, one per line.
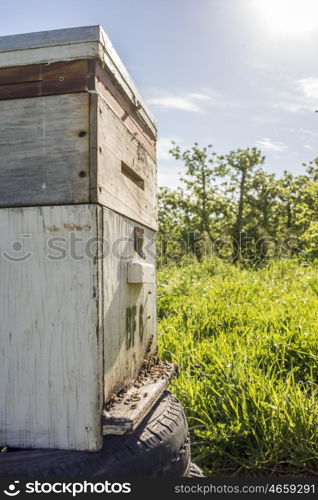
<point x="93" y="146"/>
<point x="72" y="329"/>
<point x="112" y="61"/>
<point x="49" y="54"/>
<point x="75" y="76"/>
<point x="18" y="74"/>
<point x="46" y="79"/>
<point x="68" y="44"/>
<point x="43" y="160"/>
<point x="130" y="314"/>
<point x="123" y="108"/>
<point x="50" y="356"/>
<point x="116" y="144"/>
<point x="53" y="37"/>
<point x="74" y="148"/>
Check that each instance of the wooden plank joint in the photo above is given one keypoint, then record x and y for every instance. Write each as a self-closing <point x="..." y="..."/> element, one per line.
<point x="66" y="77"/>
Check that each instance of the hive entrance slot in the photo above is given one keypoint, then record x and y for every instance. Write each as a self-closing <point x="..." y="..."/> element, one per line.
<point x="132" y="175"/>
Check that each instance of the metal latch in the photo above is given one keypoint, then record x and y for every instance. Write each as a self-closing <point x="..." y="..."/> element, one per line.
<point x="139" y="241"/>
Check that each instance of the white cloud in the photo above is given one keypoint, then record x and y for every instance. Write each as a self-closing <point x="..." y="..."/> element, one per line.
<point x="309" y="146"/>
<point x="267" y="144"/>
<point x="309" y="87"/>
<point x="195" y="102"/>
<point x="302" y="97"/>
<point x="186" y="102"/>
<point x="198" y="96"/>
<point x="307" y="132"/>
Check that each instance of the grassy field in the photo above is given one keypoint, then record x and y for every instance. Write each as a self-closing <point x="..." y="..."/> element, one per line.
<point x="246" y="343"/>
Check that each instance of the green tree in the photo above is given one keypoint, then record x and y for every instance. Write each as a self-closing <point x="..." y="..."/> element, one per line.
<point x="230" y="202"/>
<point x="308" y="209"/>
<point x="239" y="166"/>
<point x="199" y="182"/>
<point x="174" y="220"/>
<point x="261" y="217"/>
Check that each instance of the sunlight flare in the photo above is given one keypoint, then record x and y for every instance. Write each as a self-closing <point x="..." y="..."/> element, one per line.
<point x="289" y="17"/>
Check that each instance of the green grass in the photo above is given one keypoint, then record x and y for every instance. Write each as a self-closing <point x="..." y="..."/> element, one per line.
<point x="247" y="346"/>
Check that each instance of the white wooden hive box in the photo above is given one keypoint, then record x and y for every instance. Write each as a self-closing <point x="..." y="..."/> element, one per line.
<point x="73" y="127"/>
<point x="77" y="177"/>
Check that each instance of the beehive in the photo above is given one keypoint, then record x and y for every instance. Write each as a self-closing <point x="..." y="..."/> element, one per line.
<point x="78" y="199"/>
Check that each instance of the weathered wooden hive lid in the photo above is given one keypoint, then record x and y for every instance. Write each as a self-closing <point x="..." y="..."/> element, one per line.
<point x="88" y="42"/>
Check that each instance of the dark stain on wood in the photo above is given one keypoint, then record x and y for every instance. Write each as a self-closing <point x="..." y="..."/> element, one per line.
<point x="16" y="75"/>
<point x="83" y="75"/>
<point x="46" y="79"/>
<point x="105" y="77"/>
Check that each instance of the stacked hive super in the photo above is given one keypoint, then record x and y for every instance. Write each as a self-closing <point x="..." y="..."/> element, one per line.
<point x="77" y="225"/>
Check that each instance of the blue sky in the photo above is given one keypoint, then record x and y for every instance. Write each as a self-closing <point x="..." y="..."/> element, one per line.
<point x="232" y="73"/>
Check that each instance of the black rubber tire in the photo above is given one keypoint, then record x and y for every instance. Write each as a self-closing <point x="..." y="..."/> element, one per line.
<point x="160" y="447"/>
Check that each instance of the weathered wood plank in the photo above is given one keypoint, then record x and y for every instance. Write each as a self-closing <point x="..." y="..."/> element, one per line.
<point x="53" y="37"/>
<point x="50" y="356"/>
<point x="130" y="408"/>
<point x="50" y="54"/>
<point x="112" y="61"/>
<point x="69" y="44"/>
<point x="130" y="314"/>
<point x="116" y="145"/>
<point x="32" y="73"/>
<point x="72" y="330"/>
<point x="46" y="79"/>
<point x="75" y="76"/>
<point x="124" y="110"/>
<point x="93" y="146"/>
<point x="74" y="148"/>
<point x="44" y="156"/>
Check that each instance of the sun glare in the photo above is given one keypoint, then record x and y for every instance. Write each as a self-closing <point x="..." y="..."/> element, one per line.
<point x="289" y="17"/>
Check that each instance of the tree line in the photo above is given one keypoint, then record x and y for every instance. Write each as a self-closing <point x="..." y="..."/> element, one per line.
<point x="230" y="206"/>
